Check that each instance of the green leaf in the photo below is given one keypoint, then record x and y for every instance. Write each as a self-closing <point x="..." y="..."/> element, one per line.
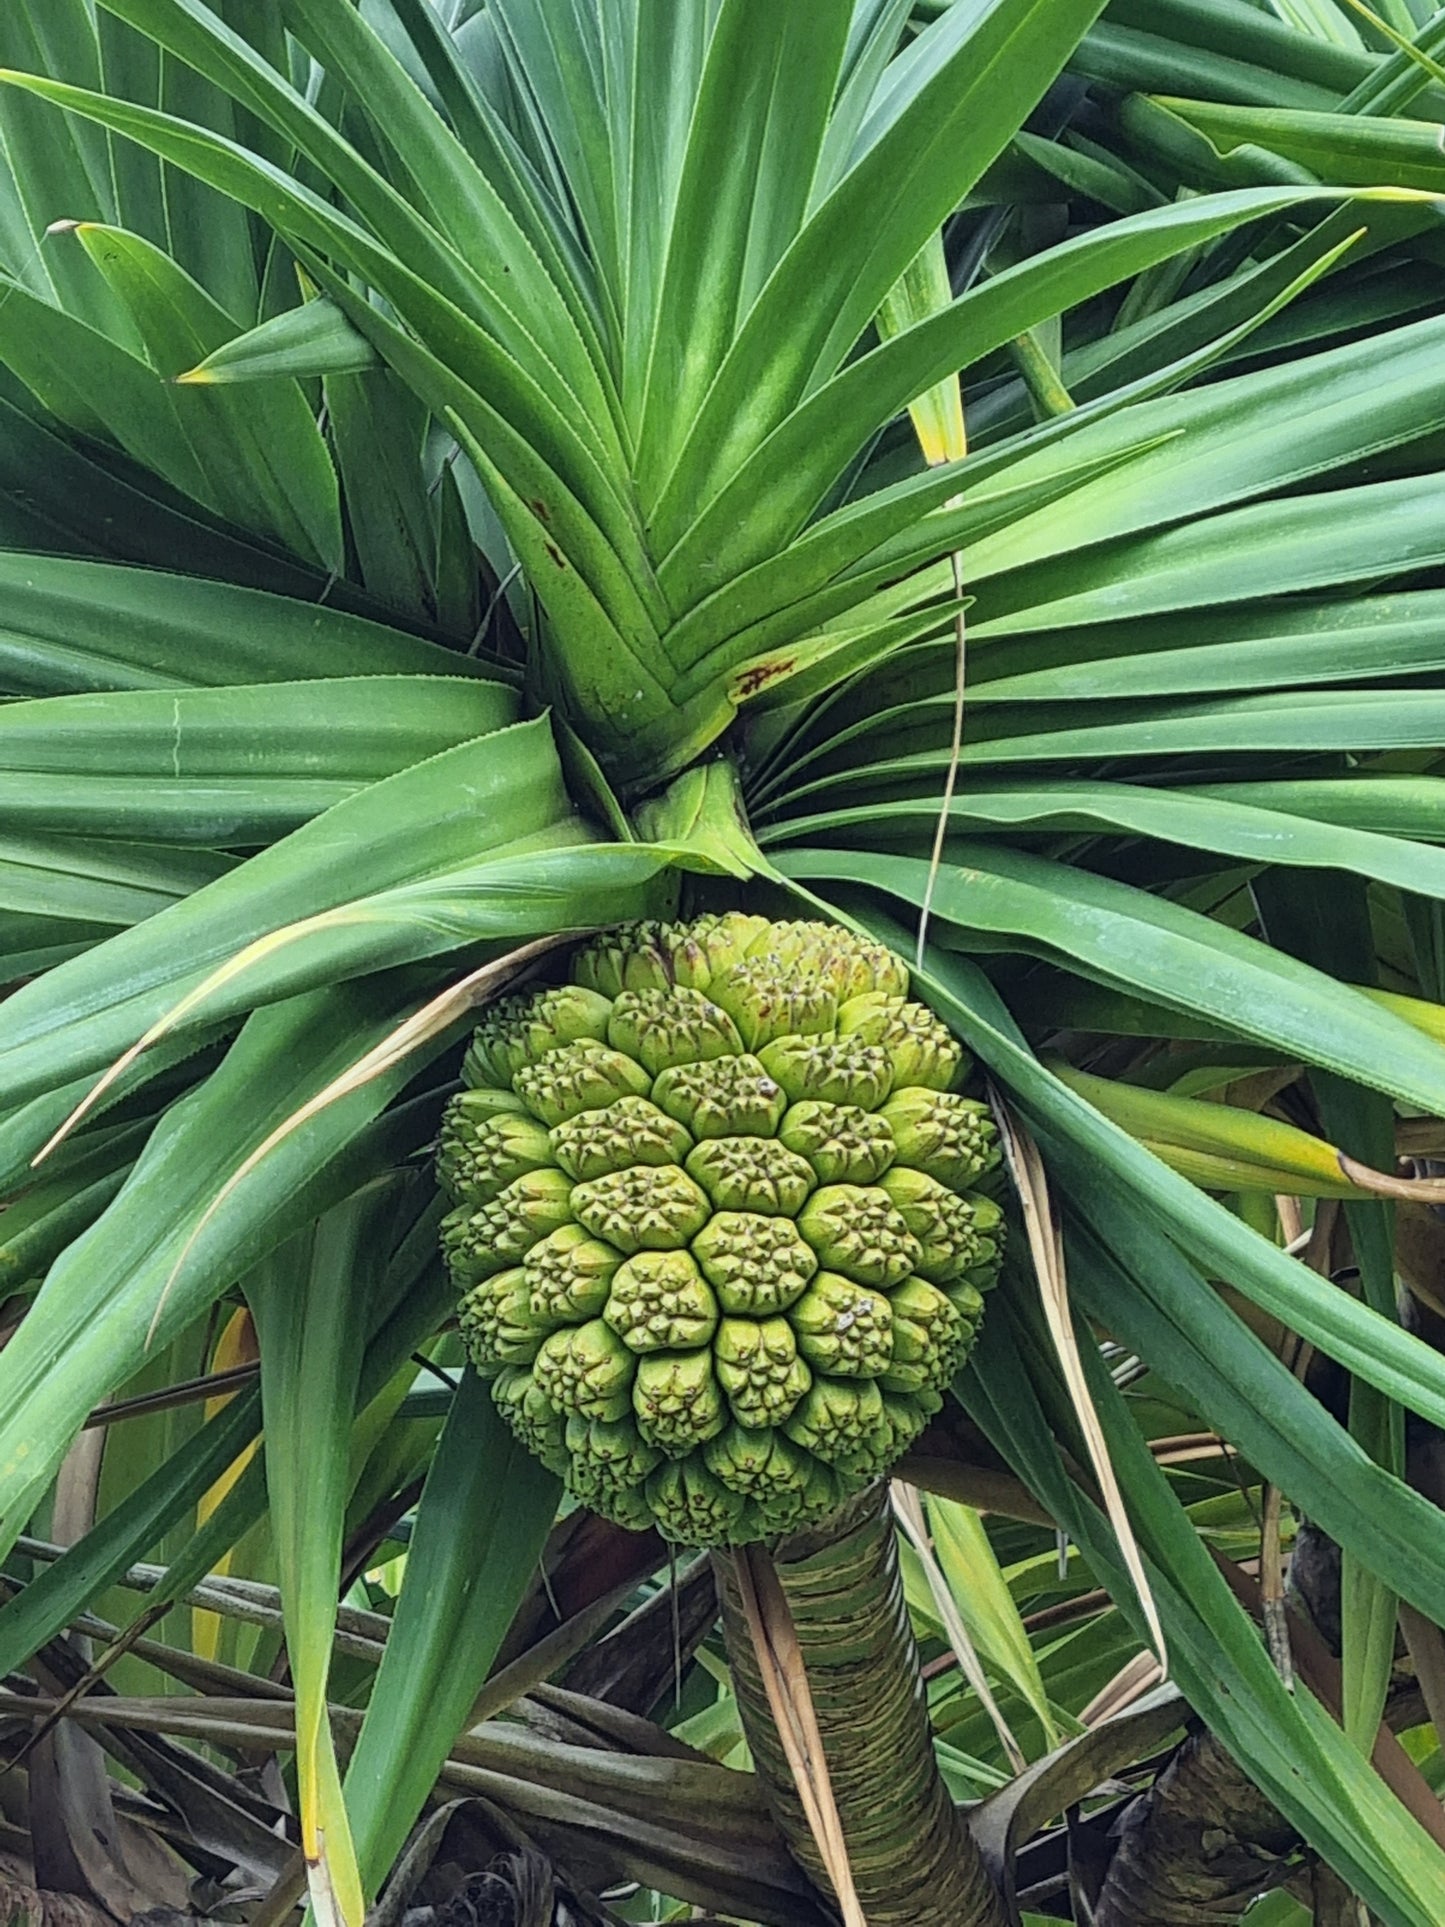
<point x="59" y="496"/>
<point x="835" y="566"/>
<point x="228" y="766"/>
<point x="1252" y="829"/>
<point x="263" y="452"/>
<point x="53" y="169"/>
<point x="1124" y="936"/>
<point x="70" y="626"/>
<point x="1374" y="1348"/>
<point x="63" y="1590"/>
<point x="1305" y="542"/>
<point x="1339" y="938"/>
<point x="586" y="530"/>
<point x="1295" y="722"/>
<point x="26" y="1128"/>
<point x="64" y="1201"/>
<point x="313" y="339"/>
<point x="981" y="1593"/>
<point x="188" y="1222"/>
<point x="1352" y="149"/>
<point x="472" y="802"/>
<point x="1215" y="651"/>
<point x="431" y="289"/>
<point x="312" y="1302"/>
<point x="523" y="306"/>
<point x="211" y="237"/>
<point x="105" y="392"/>
<point x="378" y="430"/>
<point x="500" y="268"/>
<point x="767" y="498"/>
<point x="1269" y="429"/>
<point x="526" y="182"/>
<point x="1144" y="1290"/>
<point x="1230" y="53"/>
<point x="1296" y="1753"/>
<point x="752" y="149"/>
<point x="959" y="92"/>
<point x="484" y="1514"/>
<point x="105" y="883"/>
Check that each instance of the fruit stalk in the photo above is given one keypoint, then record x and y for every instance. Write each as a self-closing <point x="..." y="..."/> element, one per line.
<point x="913" y="1860"/>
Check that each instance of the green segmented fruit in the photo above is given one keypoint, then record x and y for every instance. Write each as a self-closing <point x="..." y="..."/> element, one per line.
<point x="761" y="1463"/>
<point x="838" y="1070"/>
<point x="677" y="1400"/>
<point x="945" y="1136"/>
<point x="842" y="1143"/>
<point x="967" y="1301"/>
<point x="586" y="1369"/>
<point x="691" y="1506"/>
<point x="908" y="1414"/>
<point x="921" y="1051"/>
<point x="647" y="1207"/>
<point x="483" y="1100"/>
<point x="928" y="1338"/>
<point x="857" y="1229"/>
<point x="955" y="1233"/>
<point x="481" y="1150"/>
<point x="577" y="1078"/>
<point x="532" y="1418"/>
<point x="729" y="1097"/>
<point x="713" y="1225"/>
<point x="496" y="1322"/>
<point x="630" y="1131"/>
<point x="752" y="1174"/>
<point x="852" y="965"/>
<point x="661" y="1028"/>
<point x="608" y="1457"/>
<point x="759" y="1368"/>
<point x="709" y="947"/>
<point x="569" y="1274"/>
<point x="844" y="1329"/>
<point x="660" y="1302"/>
<point x="839" y="1419"/>
<point x="522" y="1029"/>
<point x="768" y="999"/>
<point x="632" y="958"/>
<point x="478" y="1243"/>
<point x="757" y="1265"/>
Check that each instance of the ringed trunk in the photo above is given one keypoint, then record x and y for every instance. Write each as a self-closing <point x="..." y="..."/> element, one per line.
<point x="913" y="1859"/>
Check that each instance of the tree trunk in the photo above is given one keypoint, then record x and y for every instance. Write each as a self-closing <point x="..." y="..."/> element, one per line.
<point x="913" y="1860"/>
<point x="1199" y="1846"/>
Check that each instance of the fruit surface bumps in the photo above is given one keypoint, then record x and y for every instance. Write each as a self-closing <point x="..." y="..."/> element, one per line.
<point x="716" y="1221"/>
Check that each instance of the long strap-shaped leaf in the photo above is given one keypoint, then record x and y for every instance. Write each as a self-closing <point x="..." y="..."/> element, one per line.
<point x="957" y="96"/>
<point x="913" y="1861"/>
<point x="483" y="1517"/>
<point x="770" y="496"/>
<point x="311" y="1301"/>
<point x="1296" y="1752"/>
<point x="1183" y="960"/>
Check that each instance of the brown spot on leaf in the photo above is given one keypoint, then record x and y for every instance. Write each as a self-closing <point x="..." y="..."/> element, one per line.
<point x="540" y="510"/>
<point x="556" y="554"/>
<point x="762" y="673"/>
